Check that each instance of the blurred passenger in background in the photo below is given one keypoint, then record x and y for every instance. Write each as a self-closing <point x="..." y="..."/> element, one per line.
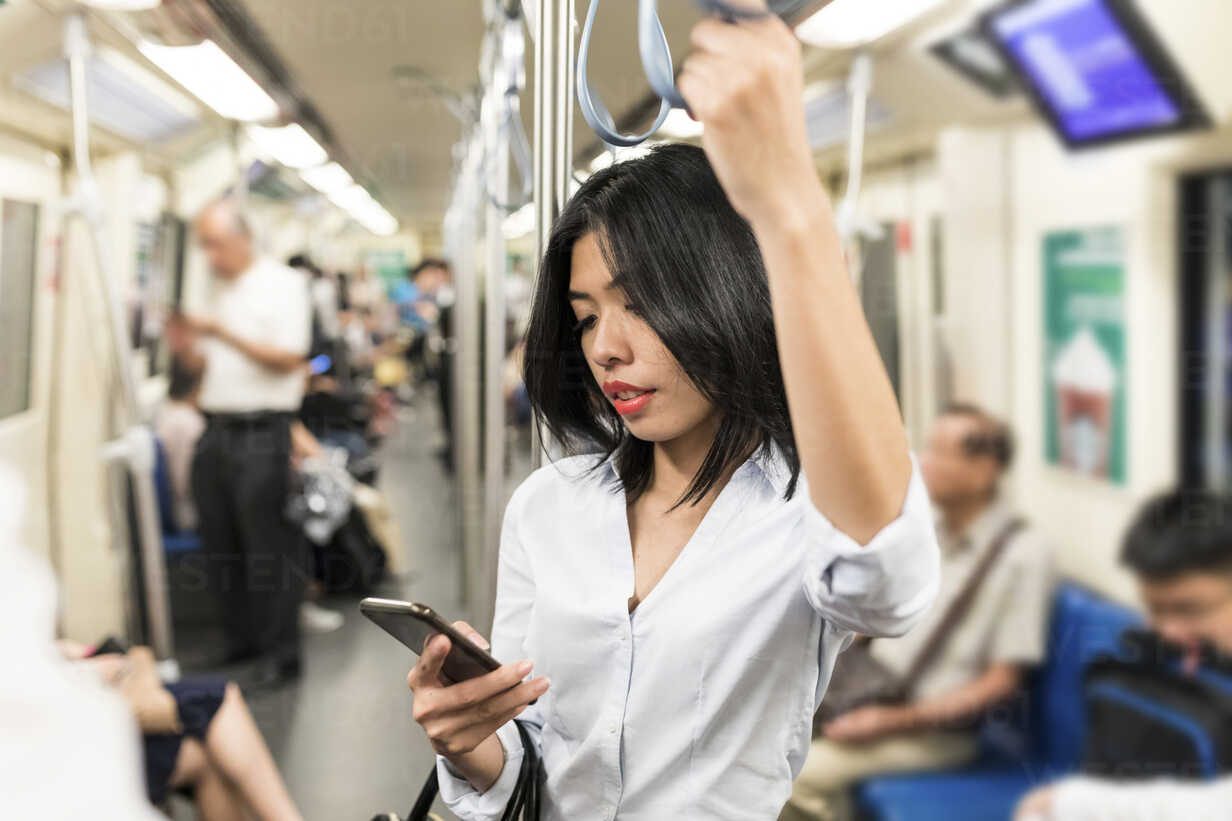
<point x="415" y="298"/>
<point x="324" y="293"/>
<point x="1180" y="549"/>
<point x="68" y="748"/>
<point x="179" y="426"/>
<point x="362" y="291"/>
<point x="974" y="661"/>
<point x="251" y="335"/>
<point x="444" y="374"/>
<point x="197" y="735"/>
<point x="358" y="340"/>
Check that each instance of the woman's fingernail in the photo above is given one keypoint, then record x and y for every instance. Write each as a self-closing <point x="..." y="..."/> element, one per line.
<point x="479" y="640"/>
<point x="525" y="667"/>
<point x="544" y="684"/>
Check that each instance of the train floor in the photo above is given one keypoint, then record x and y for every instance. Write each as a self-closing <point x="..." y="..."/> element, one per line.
<point x="342" y="735"/>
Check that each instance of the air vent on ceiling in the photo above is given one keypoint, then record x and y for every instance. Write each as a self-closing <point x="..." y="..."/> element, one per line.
<point x="122" y="97"/>
<point x="268" y="181"/>
<point x="828" y="117"/>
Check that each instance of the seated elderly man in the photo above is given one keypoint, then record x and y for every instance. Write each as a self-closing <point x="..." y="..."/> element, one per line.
<point x="986" y="628"/>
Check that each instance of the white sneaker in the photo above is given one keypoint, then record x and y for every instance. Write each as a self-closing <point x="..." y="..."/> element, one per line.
<point x="316" y="619"/>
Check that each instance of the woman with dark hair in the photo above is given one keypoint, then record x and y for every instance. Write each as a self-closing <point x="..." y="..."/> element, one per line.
<point x="745" y="501"/>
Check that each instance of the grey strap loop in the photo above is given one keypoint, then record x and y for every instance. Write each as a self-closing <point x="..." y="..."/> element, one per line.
<point x="657" y="62"/>
<point x="593" y="110"/>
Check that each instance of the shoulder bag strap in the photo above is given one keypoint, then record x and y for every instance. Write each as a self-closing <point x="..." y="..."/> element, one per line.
<point x="958" y="608"/>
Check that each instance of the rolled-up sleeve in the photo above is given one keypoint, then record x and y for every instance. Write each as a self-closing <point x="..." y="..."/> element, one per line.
<point x="515" y="596"/>
<point x="882" y="588"/>
<point x="468" y="803"/>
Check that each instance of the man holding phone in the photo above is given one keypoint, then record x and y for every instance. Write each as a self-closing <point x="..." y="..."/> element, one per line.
<point x="251" y="335"/>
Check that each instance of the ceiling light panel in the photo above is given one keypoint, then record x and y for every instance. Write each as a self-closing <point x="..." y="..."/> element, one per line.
<point x="291" y="145"/>
<point x="327" y="178"/>
<point x="854" y="23"/>
<point x="123" y="5"/>
<point x="215" y="79"/>
<point x="365" y="210"/>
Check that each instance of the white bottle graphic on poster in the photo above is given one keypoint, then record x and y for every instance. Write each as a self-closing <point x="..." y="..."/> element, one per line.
<point x="1084" y="381"/>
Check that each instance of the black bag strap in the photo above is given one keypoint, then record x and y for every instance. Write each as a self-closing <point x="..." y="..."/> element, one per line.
<point x="524" y="801"/>
<point x="427" y="795"/>
<point x="958" y="609"/>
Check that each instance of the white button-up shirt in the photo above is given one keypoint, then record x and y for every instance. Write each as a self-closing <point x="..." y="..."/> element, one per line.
<point x="699" y="703"/>
<point x="268" y="304"/>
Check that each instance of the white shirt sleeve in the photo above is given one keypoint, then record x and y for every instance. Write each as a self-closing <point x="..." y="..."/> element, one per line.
<point x="515" y="595"/>
<point x="1089" y="799"/>
<point x="880" y="589"/>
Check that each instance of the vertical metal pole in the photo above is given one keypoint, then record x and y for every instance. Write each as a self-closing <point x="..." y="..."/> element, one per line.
<point x="1216" y="316"/>
<point x="467" y="379"/>
<point x="554" y="76"/>
<point x="496" y="139"/>
<point x="135" y="447"/>
<point x="240" y="191"/>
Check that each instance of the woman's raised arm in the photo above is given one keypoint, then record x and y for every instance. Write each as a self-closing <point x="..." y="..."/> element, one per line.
<point x="744" y="82"/>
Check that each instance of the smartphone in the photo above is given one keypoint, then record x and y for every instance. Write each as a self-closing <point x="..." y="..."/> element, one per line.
<point x="319" y="364"/>
<point x="416" y="624"/>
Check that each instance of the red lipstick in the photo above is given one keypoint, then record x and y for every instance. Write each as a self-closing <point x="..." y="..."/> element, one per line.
<point x="635" y="397"/>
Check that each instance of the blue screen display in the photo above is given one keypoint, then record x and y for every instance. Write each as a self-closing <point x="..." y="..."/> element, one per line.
<point x="1087" y="68"/>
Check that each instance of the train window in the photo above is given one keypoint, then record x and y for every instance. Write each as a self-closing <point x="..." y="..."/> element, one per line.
<point x="18" y="247"/>
<point x="160" y="280"/>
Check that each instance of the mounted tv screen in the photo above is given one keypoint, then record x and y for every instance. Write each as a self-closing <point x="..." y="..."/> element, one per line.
<point x="1094" y="68"/>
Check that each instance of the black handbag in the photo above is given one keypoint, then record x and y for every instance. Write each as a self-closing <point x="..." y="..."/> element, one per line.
<point x="1147" y="718"/>
<point x="523" y="803"/>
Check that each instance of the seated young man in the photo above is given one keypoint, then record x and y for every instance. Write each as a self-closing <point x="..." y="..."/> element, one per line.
<point x="1180" y="548"/>
<point x="985" y="653"/>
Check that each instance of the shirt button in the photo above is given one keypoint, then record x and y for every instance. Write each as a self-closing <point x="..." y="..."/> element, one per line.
<point x="611" y="728"/>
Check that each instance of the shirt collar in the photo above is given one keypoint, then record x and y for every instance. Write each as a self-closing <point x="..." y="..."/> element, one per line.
<point x="769" y="460"/>
<point x="772" y="462"/>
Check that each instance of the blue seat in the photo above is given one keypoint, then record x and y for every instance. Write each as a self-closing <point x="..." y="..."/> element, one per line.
<point x="1047" y="744"/>
<point x="175" y="541"/>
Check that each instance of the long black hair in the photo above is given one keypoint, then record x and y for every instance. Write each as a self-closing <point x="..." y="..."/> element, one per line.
<point x="691" y="265"/>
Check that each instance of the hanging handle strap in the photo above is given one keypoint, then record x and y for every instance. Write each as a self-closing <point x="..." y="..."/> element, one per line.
<point x="593" y="110"/>
<point x="657" y="63"/>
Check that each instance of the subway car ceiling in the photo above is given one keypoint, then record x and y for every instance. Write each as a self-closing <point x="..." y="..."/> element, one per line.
<point x="374" y="83"/>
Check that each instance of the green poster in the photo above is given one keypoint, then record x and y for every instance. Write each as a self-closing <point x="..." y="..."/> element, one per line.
<point x="387" y="267"/>
<point x="1084" y="352"/>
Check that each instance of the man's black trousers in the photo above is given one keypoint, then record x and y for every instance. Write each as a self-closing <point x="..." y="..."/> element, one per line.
<point x="255" y="558"/>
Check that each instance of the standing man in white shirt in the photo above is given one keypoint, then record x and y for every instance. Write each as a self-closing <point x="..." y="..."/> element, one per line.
<point x="252" y="334"/>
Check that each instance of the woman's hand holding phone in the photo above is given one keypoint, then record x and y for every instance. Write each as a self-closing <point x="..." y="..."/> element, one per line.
<point x="461" y="719"/>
